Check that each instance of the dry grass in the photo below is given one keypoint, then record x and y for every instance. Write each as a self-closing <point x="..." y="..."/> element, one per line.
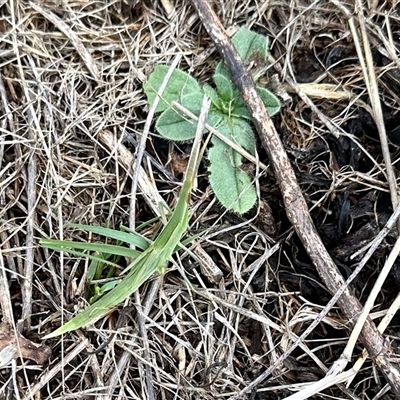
<point x="71" y="96"/>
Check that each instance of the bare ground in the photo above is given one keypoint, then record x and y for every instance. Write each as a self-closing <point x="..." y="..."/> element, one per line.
<point x="72" y="100"/>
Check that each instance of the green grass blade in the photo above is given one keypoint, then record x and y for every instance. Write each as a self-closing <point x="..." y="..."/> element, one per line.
<point x="155" y="258"/>
<point x="69" y="246"/>
<point x="141" y="271"/>
<point x="132" y="238"/>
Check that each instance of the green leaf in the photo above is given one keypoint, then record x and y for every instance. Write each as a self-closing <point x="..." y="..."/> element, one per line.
<point x="247" y="43"/>
<point x="70" y="246"/>
<point x="131" y="238"/>
<point x="232" y="185"/>
<point x="240" y="110"/>
<point x="100" y="290"/>
<point x="221" y="69"/>
<point x="231" y="102"/>
<point x="270" y="101"/>
<point x="174" y="125"/>
<point x="242" y="134"/>
<point x="213" y="95"/>
<point x="93" y="270"/>
<point x="179" y="85"/>
<point x="227" y="91"/>
<point x="224" y="86"/>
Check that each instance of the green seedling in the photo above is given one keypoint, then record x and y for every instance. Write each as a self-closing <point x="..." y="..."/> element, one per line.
<point x="152" y="260"/>
<point x="228" y="114"/>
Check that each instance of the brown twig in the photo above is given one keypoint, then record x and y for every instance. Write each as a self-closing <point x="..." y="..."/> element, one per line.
<point x="295" y="204"/>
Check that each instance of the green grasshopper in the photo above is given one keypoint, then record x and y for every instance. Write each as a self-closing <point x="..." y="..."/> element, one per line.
<point x="155" y="258"/>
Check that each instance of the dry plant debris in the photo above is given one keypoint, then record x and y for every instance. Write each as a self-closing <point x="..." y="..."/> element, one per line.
<point x="71" y="96"/>
<point x="39" y="354"/>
